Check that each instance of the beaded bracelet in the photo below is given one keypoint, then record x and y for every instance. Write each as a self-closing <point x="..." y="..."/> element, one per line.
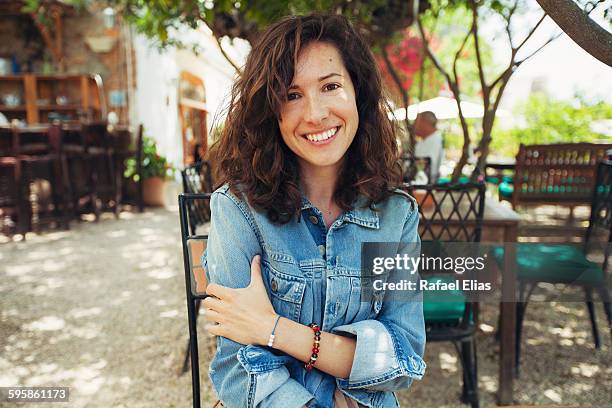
<point x="271" y="338"/>
<point x="315" y="347"/>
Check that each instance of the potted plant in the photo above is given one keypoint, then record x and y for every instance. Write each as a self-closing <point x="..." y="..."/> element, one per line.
<point x="156" y="170"/>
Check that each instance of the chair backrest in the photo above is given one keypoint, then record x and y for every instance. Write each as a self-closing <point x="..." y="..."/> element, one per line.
<point x="411" y="164"/>
<point x="195" y="279"/>
<point x="450" y="212"/>
<point x="197" y="179"/>
<point x="560" y="173"/>
<point x="601" y="207"/>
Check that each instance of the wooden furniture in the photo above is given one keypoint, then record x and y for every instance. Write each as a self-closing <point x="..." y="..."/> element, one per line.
<point x="560" y="174"/>
<point x="35" y="98"/>
<point x="568" y="264"/>
<point x="500" y="225"/>
<point x="36" y="154"/>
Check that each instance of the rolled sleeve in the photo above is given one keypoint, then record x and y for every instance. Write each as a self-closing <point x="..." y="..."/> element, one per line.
<point x="389" y="349"/>
<point x="243" y="376"/>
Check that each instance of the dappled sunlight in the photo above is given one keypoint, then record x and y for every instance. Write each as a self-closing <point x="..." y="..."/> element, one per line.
<point x="448" y="362"/>
<point x="47" y="323"/>
<point x="169" y="313"/>
<point x="154" y="287"/>
<point x="553" y="395"/>
<point x="117" y="234"/>
<point x="585" y="369"/>
<point x="162" y="273"/>
<point x="79" y="313"/>
<point x="489" y="383"/>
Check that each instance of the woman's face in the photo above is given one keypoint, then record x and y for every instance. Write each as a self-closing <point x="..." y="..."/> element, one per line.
<point x="319" y="118"/>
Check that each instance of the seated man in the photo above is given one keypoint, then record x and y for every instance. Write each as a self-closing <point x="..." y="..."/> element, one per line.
<point x="429" y="141"/>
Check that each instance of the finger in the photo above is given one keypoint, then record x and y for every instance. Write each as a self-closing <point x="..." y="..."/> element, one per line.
<point x="213" y="316"/>
<point x="218" y="291"/>
<point x="256" y="279"/>
<point x="213" y="303"/>
<point x="214" y="329"/>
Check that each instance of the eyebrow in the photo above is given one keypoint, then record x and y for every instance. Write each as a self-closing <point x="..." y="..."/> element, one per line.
<point x="323" y="78"/>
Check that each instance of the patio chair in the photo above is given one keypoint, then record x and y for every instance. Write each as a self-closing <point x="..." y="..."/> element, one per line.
<point x="452" y="213"/>
<point x="568" y="264"/>
<point x="197" y="179"/>
<point x="195" y="283"/>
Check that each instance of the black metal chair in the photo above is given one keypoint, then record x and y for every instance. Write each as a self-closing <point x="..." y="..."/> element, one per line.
<point x="411" y="165"/>
<point x="197" y="179"/>
<point x="568" y="264"/>
<point x="195" y="282"/>
<point x="453" y="214"/>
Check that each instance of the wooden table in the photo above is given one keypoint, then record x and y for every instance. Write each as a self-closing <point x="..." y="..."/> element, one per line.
<point x="500" y="225"/>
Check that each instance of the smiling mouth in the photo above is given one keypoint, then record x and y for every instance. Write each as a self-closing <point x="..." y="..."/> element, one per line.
<point x="322" y="136"/>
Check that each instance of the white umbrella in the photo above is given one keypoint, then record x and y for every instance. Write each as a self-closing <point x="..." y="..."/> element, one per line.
<point x="443" y="107"/>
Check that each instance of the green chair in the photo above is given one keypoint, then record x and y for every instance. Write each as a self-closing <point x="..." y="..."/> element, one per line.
<point x="455" y="215"/>
<point x="568" y="264"/>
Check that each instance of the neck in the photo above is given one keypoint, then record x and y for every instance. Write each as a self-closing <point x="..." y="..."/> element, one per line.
<point x="319" y="184"/>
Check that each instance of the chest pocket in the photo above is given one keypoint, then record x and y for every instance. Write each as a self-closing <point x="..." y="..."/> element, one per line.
<point x="285" y="287"/>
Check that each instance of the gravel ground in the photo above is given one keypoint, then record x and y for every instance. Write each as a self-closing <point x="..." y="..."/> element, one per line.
<point x="101" y="309"/>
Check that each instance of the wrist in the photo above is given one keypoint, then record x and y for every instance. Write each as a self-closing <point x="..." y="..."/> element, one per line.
<point x="267" y="327"/>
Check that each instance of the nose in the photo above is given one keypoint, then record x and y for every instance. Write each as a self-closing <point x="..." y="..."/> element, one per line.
<point x="316" y="110"/>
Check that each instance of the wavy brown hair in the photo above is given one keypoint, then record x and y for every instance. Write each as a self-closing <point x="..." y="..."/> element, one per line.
<point x="251" y="155"/>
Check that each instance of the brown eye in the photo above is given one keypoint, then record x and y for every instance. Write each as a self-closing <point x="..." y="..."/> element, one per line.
<point x="331" y="87"/>
<point x="292" y="96"/>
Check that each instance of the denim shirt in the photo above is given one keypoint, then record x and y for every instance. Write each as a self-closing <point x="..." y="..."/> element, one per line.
<point x="313" y="275"/>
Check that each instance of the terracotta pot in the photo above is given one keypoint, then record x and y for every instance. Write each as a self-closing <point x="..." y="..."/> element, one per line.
<point x="425" y="201"/>
<point x="154" y="191"/>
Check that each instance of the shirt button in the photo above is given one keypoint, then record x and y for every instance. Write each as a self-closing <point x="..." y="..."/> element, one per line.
<point x="313" y="219"/>
<point x="322" y="250"/>
<point x="274" y="285"/>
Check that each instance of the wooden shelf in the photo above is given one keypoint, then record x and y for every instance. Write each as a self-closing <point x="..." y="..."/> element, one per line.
<point x="59" y="107"/>
<point x="84" y="91"/>
<point x="5" y="108"/>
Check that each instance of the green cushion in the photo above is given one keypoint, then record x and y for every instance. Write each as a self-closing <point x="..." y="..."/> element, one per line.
<point x="553" y="263"/>
<point x="506" y="189"/>
<point x="443" y="305"/>
<point x="492" y="179"/>
<point x="446" y="180"/>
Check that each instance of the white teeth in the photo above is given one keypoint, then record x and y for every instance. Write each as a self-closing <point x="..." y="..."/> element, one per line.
<point x="317" y="137"/>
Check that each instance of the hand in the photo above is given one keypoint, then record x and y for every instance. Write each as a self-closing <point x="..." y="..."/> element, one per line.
<point x="246" y="315"/>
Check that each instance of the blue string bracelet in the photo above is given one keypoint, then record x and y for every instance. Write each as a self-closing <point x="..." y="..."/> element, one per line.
<point x="271" y="339"/>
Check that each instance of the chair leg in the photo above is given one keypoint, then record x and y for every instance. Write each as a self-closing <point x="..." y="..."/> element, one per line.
<point x="520" y="316"/>
<point x="591" y="308"/>
<point x="605" y="296"/>
<point x="185" y="366"/>
<point x="470" y="372"/>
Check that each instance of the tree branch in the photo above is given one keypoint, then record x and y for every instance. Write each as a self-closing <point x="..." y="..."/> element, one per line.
<point x="551" y="39"/>
<point x="474" y="32"/>
<point x="535" y="27"/>
<point x="579" y="27"/>
<point x="227" y="57"/>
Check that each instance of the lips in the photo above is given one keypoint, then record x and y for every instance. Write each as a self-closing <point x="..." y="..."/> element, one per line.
<point x="322" y="136"/>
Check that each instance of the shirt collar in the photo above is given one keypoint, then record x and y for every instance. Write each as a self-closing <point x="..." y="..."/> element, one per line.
<point x="359" y="215"/>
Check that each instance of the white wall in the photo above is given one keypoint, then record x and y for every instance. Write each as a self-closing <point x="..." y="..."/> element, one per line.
<point x="157" y="76"/>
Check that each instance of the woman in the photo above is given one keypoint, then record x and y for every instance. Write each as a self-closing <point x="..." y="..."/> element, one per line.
<point x="308" y="160"/>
